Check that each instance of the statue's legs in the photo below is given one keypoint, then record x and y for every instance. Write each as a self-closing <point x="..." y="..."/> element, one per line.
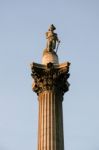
<point x="53" y="44"/>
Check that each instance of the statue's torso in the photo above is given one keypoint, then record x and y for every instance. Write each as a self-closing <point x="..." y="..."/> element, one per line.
<point x="51" y="36"/>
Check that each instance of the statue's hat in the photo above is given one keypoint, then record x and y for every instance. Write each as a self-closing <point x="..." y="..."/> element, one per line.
<point x="52" y="27"/>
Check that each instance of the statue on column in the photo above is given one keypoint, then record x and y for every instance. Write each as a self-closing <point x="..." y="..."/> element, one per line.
<point x="52" y="39"/>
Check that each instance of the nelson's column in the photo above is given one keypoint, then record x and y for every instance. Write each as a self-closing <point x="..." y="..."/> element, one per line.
<point x="50" y="84"/>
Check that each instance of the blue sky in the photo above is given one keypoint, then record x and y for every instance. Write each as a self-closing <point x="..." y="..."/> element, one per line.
<point x="23" y="24"/>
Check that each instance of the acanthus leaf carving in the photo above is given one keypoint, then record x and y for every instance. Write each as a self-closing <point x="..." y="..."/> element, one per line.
<point x="50" y="78"/>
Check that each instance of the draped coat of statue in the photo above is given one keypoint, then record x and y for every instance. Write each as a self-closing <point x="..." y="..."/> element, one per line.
<point x="52" y="38"/>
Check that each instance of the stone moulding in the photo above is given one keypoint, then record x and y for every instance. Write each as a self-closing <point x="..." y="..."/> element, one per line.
<point x="50" y="77"/>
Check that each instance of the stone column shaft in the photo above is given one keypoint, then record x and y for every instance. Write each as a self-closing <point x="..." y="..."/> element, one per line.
<point x="50" y="133"/>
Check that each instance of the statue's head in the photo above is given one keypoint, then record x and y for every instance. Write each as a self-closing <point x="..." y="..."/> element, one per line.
<point x="52" y="27"/>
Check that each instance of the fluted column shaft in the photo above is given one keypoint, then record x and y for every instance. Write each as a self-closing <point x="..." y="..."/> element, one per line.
<point x="50" y="131"/>
<point x="50" y="84"/>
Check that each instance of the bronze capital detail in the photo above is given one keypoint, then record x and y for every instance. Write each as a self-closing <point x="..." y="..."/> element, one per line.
<point x="50" y="77"/>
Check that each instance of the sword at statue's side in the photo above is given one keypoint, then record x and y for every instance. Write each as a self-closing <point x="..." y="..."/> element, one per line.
<point x="57" y="46"/>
